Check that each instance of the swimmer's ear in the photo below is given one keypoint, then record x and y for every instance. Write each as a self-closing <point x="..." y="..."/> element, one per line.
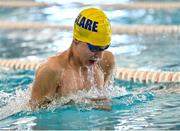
<point x="76" y="42"/>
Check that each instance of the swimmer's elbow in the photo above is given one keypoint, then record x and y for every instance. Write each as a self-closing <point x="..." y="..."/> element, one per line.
<point x="35" y="103"/>
<point x="37" y="100"/>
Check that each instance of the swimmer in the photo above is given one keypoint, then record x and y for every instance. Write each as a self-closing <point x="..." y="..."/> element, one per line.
<point x="68" y="71"/>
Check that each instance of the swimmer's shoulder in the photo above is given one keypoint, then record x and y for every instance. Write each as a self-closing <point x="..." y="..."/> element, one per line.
<point x="108" y="58"/>
<point x="54" y="63"/>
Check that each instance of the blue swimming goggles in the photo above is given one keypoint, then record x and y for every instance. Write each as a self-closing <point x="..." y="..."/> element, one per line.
<point x="93" y="48"/>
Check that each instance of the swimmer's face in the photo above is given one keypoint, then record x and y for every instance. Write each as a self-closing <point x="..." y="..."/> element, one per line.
<point x="87" y="56"/>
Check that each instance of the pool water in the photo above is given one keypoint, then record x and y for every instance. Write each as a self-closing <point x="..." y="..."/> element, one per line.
<point x="134" y="106"/>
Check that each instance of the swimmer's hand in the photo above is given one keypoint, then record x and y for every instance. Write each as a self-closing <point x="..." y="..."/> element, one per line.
<point x="101" y="103"/>
<point x="103" y="107"/>
<point x="96" y="103"/>
<point x="100" y="99"/>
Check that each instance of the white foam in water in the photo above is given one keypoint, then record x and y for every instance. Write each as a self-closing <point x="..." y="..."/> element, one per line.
<point x="19" y="102"/>
<point x="15" y="103"/>
<point x="85" y="96"/>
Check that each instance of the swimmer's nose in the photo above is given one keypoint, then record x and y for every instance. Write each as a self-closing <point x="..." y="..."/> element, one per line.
<point x="98" y="54"/>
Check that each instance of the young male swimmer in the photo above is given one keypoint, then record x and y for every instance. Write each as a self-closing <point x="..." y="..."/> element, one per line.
<point x="67" y="72"/>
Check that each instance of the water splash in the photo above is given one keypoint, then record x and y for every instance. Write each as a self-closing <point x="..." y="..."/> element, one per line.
<point x="13" y="104"/>
<point x="87" y="98"/>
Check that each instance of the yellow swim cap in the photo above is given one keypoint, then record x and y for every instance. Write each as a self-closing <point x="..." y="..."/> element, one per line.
<point x="92" y="26"/>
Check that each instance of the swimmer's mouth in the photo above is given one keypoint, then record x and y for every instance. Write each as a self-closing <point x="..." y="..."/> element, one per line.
<point x="92" y="61"/>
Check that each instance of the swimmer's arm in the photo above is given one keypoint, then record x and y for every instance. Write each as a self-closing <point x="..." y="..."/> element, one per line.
<point x="44" y="86"/>
<point x="108" y="65"/>
<point x="101" y="103"/>
<point x="97" y="103"/>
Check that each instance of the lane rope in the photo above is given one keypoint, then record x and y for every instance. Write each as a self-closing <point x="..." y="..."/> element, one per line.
<point x="138" y="5"/>
<point x="135" y="5"/>
<point x="23" y="4"/>
<point x="120" y="73"/>
<point x="129" y="29"/>
<point x="144" y="76"/>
